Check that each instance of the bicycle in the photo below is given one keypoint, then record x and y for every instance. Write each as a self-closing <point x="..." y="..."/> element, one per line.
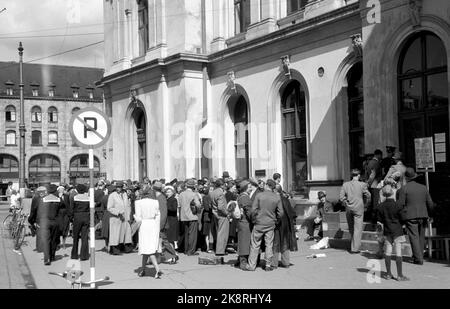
<point x="20" y="232"/>
<point x="10" y="222"/>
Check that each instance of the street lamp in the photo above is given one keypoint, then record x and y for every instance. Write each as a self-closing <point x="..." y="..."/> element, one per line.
<point x="21" y="127"/>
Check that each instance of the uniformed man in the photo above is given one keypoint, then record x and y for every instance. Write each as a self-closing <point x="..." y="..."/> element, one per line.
<point x="387" y="162"/>
<point x="80" y="215"/>
<point x="47" y="215"/>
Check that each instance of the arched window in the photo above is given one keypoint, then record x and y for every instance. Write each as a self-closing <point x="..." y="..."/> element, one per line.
<point x="53" y="138"/>
<point x="10" y="138"/>
<point x="293" y="111"/>
<point x="79" y="168"/>
<point x="423" y="106"/>
<point x="52" y="114"/>
<point x="239" y="116"/>
<point x="356" y="115"/>
<point x="36" y="138"/>
<point x="36" y="114"/>
<point x="43" y="169"/>
<point x="10" y="113"/>
<point x="9" y="167"/>
<point x="143" y="27"/>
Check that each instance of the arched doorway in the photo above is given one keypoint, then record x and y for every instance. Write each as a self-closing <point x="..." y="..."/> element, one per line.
<point x="355" y="96"/>
<point x="79" y="169"/>
<point x="238" y="110"/>
<point x="423" y="104"/>
<point x="138" y="115"/>
<point x="294" y="137"/>
<point x="44" y="169"/>
<point x="9" y="171"/>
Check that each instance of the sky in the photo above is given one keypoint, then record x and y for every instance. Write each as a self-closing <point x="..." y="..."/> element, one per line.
<point x="60" y="20"/>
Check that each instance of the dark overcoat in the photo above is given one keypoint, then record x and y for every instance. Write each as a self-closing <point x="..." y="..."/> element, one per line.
<point x="244" y="232"/>
<point x="284" y="234"/>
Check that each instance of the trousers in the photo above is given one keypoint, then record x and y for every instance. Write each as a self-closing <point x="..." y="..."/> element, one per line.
<point x="223" y="230"/>
<point x="416" y="233"/>
<point x="80" y="231"/>
<point x="355" y="226"/>
<point x="256" y="239"/>
<point x="49" y="239"/>
<point x="190" y="236"/>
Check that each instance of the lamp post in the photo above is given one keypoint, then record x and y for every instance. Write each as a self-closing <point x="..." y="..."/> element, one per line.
<point x="21" y="127"/>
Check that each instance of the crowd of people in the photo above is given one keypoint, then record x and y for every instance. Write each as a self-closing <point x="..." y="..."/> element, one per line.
<point x="161" y="220"/>
<point x="388" y="194"/>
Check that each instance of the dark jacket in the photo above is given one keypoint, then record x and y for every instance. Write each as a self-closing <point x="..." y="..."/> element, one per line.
<point x="207" y="208"/>
<point x="284" y="237"/>
<point x="32" y="219"/>
<point x="389" y="213"/>
<point x="323" y="208"/>
<point x="162" y="211"/>
<point x="172" y="206"/>
<point x="267" y="210"/>
<point x="415" y="201"/>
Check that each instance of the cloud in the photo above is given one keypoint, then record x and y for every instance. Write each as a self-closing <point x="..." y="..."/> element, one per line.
<point x="63" y="18"/>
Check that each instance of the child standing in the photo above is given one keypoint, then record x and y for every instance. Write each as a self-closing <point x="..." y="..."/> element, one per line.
<point x="389" y="217"/>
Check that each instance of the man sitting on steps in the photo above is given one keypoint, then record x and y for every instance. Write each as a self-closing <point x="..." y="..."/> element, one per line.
<point x="314" y="221"/>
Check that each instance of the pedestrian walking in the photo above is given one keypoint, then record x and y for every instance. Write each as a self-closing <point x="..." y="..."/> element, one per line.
<point x="417" y="206"/>
<point x="267" y="210"/>
<point x="148" y="215"/>
<point x="389" y="217"/>
<point x="352" y="195"/>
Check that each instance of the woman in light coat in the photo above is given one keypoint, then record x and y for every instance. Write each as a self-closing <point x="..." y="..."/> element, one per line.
<point x="148" y="216"/>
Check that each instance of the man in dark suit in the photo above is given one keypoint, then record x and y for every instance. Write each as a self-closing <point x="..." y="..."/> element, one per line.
<point x="267" y="211"/>
<point x="80" y="215"/>
<point x="416" y="202"/>
<point x="352" y="196"/>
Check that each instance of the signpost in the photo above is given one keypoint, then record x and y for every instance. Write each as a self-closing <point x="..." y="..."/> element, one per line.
<point x="425" y="163"/>
<point x="90" y="128"/>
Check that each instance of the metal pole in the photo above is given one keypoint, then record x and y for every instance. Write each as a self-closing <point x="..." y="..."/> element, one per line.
<point x="21" y="127"/>
<point x="430" y="226"/>
<point x="92" y="211"/>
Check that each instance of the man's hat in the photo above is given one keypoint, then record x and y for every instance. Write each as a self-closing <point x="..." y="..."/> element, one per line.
<point x="119" y="184"/>
<point x="243" y="185"/>
<point x="219" y="182"/>
<point x="390" y="149"/>
<point x="253" y="182"/>
<point x="81" y="188"/>
<point x="52" y="189"/>
<point x="190" y="183"/>
<point x="169" y="188"/>
<point x="157" y="185"/>
<point x="410" y="174"/>
<point x="225" y="174"/>
<point x="41" y="189"/>
<point x="321" y="194"/>
<point x="271" y="183"/>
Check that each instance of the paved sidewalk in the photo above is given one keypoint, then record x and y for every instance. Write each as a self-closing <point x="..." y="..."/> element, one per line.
<point x="338" y="270"/>
<point x="14" y="273"/>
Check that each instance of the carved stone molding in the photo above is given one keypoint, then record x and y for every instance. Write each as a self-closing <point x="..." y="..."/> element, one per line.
<point x="415" y="12"/>
<point x="286" y="62"/>
<point x="231" y="80"/>
<point x="357" y="45"/>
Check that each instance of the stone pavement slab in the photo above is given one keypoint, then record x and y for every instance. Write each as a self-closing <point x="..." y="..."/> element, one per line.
<point x="338" y="269"/>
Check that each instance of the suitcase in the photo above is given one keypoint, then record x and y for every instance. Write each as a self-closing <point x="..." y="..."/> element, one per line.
<point x="210" y="260"/>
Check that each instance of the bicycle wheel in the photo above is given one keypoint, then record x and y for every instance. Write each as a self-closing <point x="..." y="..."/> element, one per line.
<point x="7" y="222"/>
<point x="19" y="237"/>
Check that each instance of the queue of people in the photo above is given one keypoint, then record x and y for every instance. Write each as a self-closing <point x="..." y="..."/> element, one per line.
<point x="161" y="220"/>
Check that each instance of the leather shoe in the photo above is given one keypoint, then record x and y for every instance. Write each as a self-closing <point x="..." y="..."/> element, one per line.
<point x="141" y="273"/>
<point x="417" y="262"/>
<point x="47" y="262"/>
<point x="269" y="268"/>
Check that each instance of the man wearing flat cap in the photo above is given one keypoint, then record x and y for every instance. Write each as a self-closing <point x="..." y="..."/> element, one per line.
<point x="80" y="215"/>
<point x="323" y="207"/>
<point x="48" y="215"/>
<point x="119" y="223"/>
<point x="189" y="206"/>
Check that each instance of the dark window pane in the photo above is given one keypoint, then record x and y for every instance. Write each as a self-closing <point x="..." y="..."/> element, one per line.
<point x="437" y="90"/>
<point x="299" y="164"/>
<point x="356" y="149"/>
<point x="411" y="94"/>
<point x="436" y="55"/>
<point x="356" y="114"/>
<point x="289" y="124"/>
<point x="413" y="58"/>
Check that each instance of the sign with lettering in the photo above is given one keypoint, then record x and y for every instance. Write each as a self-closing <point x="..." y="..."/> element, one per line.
<point x="90" y="128"/>
<point x="424" y="154"/>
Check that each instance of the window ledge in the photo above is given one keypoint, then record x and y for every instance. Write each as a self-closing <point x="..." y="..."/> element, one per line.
<point x="36" y="145"/>
<point x="53" y="145"/>
<point x="10" y="145"/>
<point x="236" y="39"/>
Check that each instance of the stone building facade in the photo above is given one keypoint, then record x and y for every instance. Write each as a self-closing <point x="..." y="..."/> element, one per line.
<point x="253" y="87"/>
<point x="51" y="95"/>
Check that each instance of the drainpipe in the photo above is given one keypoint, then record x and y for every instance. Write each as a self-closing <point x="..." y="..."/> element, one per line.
<point x="205" y="67"/>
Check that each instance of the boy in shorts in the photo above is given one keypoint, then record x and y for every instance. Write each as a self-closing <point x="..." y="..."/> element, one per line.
<point x="388" y="217"/>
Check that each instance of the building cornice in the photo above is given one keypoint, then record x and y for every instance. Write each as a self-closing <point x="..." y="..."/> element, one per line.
<point x="62" y="99"/>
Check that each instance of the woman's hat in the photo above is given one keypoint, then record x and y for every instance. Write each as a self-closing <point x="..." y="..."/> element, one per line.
<point x="169" y="188"/>
<point x="190" y="183"/>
